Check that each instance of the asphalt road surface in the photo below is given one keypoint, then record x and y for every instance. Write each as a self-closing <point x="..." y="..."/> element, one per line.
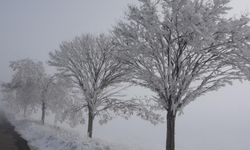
<point x="9" y="138"/>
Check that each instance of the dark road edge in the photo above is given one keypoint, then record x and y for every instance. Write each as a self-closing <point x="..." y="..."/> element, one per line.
<point x="20" y="142"/>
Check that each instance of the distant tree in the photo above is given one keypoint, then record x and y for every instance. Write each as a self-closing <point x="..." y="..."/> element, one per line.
<point x="31" y="88"/>
<point x="46" y="91"/>
<point x="23" y="90"/>
<point x="89" y="62"/>
<point x="182" y="49"/>
<point x="54" y="93"/>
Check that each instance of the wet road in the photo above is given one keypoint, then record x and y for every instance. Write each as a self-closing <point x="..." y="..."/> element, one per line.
<point x="9" y="138"/>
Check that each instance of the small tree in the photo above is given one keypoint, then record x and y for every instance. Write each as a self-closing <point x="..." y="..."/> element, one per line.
<point x="90" y="63"/>
<point x="46" y="87"/>
<point x="31" y="88"/>
<point x="23" y="90"/>
<point x="182" y="49"/>
<point x="54" y="92"/>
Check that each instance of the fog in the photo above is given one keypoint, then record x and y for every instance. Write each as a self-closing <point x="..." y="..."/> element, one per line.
<point x="31" y="29"/>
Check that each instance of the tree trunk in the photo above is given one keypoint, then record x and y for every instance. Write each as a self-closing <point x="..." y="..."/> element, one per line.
<point x="170" y="142"/>
<point x="43" y="112"/>
<point x="24" y="112"/>
<point x="90" y="123"/>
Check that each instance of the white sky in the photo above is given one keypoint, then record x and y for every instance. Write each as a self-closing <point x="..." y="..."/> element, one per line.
<point x="217" y="121"/>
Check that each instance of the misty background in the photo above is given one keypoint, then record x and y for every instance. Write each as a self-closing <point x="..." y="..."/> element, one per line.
<point x="31" y="29"/>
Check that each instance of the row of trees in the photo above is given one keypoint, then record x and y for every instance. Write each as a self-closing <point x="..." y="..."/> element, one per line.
<point x="179" y="49"/>
<point x="89" y="79"/>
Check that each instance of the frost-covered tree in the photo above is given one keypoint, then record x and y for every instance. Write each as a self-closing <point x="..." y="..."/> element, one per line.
<point x="23" y="90"/>
<point x="182" y="49"/>
<point x="89" y="62"/>
<point x="54" y="94"/>
<point x="46" y="86"/>
<point x="31" y="88"/>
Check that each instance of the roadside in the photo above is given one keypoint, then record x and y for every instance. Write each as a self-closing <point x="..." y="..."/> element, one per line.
<point x="50" y="137"/>
<point x="9" y="138"/>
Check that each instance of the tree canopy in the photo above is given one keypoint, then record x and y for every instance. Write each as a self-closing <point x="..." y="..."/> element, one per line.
<point x="183" y="49"/>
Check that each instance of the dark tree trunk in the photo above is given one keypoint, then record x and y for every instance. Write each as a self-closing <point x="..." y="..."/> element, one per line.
<point x="170" y="142"/>
<point x="43" y="112"/>
<point x="90" y="123"/>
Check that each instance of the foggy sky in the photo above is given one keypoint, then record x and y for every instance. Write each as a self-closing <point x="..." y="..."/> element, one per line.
<point x="217" y="121"/>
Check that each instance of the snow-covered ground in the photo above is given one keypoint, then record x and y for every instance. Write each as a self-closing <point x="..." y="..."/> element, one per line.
<point x="48" y="137"/>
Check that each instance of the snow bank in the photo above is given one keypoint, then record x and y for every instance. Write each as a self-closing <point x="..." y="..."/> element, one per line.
<point x="45" y="137"/>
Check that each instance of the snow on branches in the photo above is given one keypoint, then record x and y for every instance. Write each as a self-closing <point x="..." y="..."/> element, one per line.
<point x="182" y="49"/>
<point x="90" y="63"/>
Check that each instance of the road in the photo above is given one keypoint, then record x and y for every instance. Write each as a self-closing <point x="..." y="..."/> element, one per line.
<point x="9" y="138"/>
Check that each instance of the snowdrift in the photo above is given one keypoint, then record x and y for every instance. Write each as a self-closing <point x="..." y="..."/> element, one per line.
<point x="46" y="137"/>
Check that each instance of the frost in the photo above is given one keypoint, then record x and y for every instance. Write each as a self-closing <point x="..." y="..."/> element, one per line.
<point x="88" y="61"/>
<point x="191" y="51"/>
<point x="182" y="51"/>
<point x="45" y="137"/>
